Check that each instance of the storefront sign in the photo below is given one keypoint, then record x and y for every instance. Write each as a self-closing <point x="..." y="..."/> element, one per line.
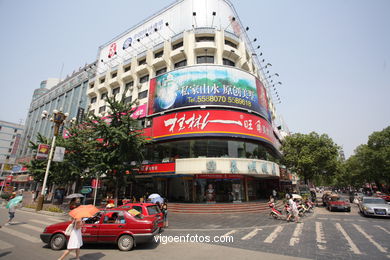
<point x="208" y="85"/>
<point x="9" y="178"/>
<point x="43" y="151"/>
<point x="139" y="111"/>
<point x="59" y="154"/>
<point x="157" y="168"/>
<point x="96" y="183"/>
<point x="219" y="176"/>
<point x="21" y="178"/>
<point x="201" y="123"/>
<point x="86" y="190"/>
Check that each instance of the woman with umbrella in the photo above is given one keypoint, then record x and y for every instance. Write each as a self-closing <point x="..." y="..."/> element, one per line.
<point x="11" y="206"/>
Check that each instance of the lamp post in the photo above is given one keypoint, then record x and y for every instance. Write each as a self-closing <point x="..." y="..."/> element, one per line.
<point x="58" y="118"/>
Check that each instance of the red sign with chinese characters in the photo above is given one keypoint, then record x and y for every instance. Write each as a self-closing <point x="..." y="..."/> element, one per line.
<point x="95" y="184"/>
<point x="158" y="168"/>
<point x="9" y="178"/>
<point x="212" y="123"/>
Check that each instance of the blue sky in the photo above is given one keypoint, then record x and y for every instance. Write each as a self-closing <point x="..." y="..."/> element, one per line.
<point x="332" y="56"/>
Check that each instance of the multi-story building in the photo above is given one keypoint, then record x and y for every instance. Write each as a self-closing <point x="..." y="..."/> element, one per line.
<point x="202" y="96"/>
<point x="10" y="136"/>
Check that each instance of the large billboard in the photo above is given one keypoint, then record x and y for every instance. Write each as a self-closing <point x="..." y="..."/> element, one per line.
<point x="207" y="85"/>
<point x="216" y="123"/>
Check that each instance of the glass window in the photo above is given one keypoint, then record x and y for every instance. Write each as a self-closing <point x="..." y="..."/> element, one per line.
<point x="228" y="62"/>
<point x="102" y="109"/>
<point x="93" y="100"/>
<point x="144" y="79"/>
<point x="142" y="62"/>
<point x="231" y="44"/>
<point x="129" y="84"/>
<point x="114" y="74"/>
<point x="180" y="64"/>
<point x="205" y="39"/>
<point x="177" y="45"/>
<point x="104" y="95"/>
<point x="143" y="94"/>
<point x="127" y="68"/>
<point x="128" y="99"/>
<point x="158" y="54"/>
<point x="205" y="59"/>
<point x="161" y="71"/>
<point x="116" y="91"/>
<point x="138" y="208"/>
<point x="102" y="80"/>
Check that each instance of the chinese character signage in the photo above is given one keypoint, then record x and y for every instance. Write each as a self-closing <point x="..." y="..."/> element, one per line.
<point x="43" y="151"/>
<point x="208" y="85"/>
<point x="212" y="123"/>
<point x="158" y="168"/>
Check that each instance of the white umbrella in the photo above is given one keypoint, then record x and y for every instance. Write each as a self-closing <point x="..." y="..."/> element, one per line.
<point x="74" y="195"/>
<point x="154" y="195"/>
<point x="157" y="199"/>
<point x="296" y="196"/>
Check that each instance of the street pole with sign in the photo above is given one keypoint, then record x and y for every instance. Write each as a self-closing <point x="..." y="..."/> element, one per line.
<point x="58" y="119"/>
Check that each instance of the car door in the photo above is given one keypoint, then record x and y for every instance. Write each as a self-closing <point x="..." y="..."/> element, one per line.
<point x="90" y="228"/>
<point x="112" y="224"/>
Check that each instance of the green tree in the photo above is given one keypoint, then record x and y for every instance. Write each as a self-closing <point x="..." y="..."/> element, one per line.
<point x="311" y="155"/>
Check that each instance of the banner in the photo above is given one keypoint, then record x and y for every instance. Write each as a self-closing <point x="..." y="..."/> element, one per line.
<point x="208" y="85"/>
<point x="59" y="154"/>
<point x="43" y="151"/>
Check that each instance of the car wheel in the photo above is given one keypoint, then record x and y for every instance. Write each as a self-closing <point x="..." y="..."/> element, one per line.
<point x="58" y="241"/>
<point x="125" y="243"/>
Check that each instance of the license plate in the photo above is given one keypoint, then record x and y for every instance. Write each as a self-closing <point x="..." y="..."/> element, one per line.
<point x="380" y="212"/>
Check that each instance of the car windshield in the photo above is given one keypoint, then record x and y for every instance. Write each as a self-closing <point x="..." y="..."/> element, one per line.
<point x="153" y="210"/>
<point x="374" y="201"/>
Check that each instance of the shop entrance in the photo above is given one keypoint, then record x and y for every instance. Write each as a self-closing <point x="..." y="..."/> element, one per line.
<point x="219" y="190"/>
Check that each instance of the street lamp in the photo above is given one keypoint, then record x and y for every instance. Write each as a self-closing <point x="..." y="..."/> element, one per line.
<point x="58" y="118"/>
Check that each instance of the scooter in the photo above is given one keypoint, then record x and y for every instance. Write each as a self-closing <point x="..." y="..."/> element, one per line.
<point x="275" y="213"/>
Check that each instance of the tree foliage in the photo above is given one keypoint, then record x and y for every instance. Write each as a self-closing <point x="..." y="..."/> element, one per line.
<point x="311" y="155"/>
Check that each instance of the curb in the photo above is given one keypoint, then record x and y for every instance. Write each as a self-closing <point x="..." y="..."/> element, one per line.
<point x="43" y="212"/>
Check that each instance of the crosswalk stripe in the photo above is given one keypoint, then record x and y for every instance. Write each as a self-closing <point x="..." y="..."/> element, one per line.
<point x="384" y="229"/>
<point x="5" y="245"/>
<point x="352" y="245"/>
<point x="229" y="233"/>
<point x="297" y="232"/>
<point x="251" y="234"/>
<point x="39" y="229"/>
<point x="20" y="235"/>
<point x="380" y="248"/>
<point x="274" y="234"/>
<point x="41" y="222"/>
<point x="320" y="237"/>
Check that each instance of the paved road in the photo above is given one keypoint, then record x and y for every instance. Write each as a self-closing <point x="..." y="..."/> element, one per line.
<point x="322" y="235"/>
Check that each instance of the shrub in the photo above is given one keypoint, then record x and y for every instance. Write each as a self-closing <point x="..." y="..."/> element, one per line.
<point x="52" y="208"/>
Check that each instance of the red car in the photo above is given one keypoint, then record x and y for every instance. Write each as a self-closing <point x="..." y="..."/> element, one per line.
<point x="337" y="203"/>
<point x="107" y="226"/>
<point x="384" y="196"/>
<point x="146" y="209"/>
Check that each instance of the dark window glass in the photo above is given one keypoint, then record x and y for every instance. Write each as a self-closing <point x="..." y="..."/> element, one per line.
<point x="161" y="71"/>
<point x="228" y="62"/>
<point x="93" y="100"/>
<point x="142" y="62"/>
<point x="128" y="99"/>
<point x="205" y="59"/>
<point x="143" y="94"/>
<point x="205" y="39"/>
<point x="113" y="75"/>
<point x="127" y="68"/>
<point x="232" y="44"/>
<point x="180" y="64"/>
<point x="158" y="54"/>
<point x="144" y="79"/>
<point x="91" y="85"/>
<point x="102" y="109"/>
<point x="104" y="95"/>
<point x="129" y="84"/>
<point x="116" y="90"/>
<point x="102" y="80"/>
<point x="177" y="45"/>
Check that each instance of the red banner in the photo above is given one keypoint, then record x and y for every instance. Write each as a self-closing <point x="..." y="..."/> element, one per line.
<point x="158" y="168"/>
<point x="212" y="123"/>
<point x="93" y="184"/>
<point x="9" y="178"/>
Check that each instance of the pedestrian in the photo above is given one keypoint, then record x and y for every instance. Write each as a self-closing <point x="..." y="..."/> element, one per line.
<point x="274" y="194"/>
<point x="295" y="210"/>
<point x="11" y="213"/>
<point x="164" y="209"/>
<point x="75" y="239"/>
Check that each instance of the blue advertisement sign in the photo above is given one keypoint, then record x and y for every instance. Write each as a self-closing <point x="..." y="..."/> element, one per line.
<point x="207" y="85"/>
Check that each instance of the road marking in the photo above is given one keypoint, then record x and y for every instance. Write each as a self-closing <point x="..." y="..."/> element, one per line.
<point x="320" y="237"/>
<point x="323" y="218"/>
<point x="229" y="233"/>
<point x="251" y="234"/>
<point x="20" y="235"/>
<point x="297" y="232"/>
<point x="5" y="245"/>
<point x="274" y="234"/>
<point x="388" y="232"/>
<point x="352" y="245"/>
<point x="40" y="222"/>
<point x="39" y="229"/>
<point x="380" y="248"/>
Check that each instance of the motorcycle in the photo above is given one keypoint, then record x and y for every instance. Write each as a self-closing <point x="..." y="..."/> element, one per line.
<point x="275" y="213"/>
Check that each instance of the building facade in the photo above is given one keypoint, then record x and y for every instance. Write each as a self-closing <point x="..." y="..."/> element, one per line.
<point x="203" y="99"/>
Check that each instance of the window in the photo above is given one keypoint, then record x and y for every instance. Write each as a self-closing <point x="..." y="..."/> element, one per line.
<point x="114" y="74"/>
<point x="15" y="130"/>
<point x="161" y="71"/>
<point x="12" y="143"/>
<point x="104" y="95"/>
<point x="231" y="44"/>
<point x="205" y="39"/>
<point x="180" y="64"/>
<point x="102" y="80"/>
<point x="127" y="68"/>
<point x="102" y="109"/>
<point x="158" y="54"/>
<point x="7" y="158"/>
<point x="138" y="208"/>
<point x="144" y="79"/>
<point x="9" y="150"/>
<point x="91" y="85"/>
<point x="142" y="62"/>
<point x="129" y="84"/>
<point x="93" y="100"/>
<point x="92" y="111"/>
<point x="143" y="94"/>
<point x="205" y="59"/>
<point x="177" y="45"/>
<point x="14" y="136"/>
<point x="116" y="91"/>
<point x="128" y="100"/>
<point x="116" y="217"/>
<point x="228" y="62"/>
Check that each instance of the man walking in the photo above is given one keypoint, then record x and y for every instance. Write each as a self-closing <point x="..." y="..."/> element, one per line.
<point x="11" y="213"/>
